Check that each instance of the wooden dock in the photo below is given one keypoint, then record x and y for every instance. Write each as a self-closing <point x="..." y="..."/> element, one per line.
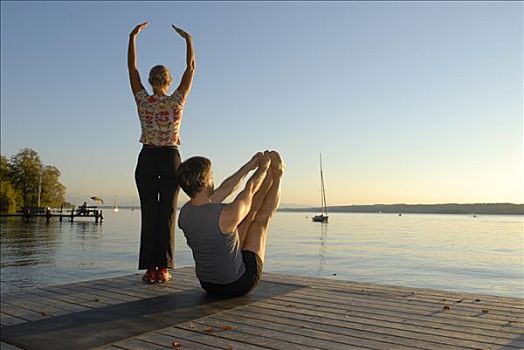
<point x="284" y="312"/>
<point x="60" y="213"/>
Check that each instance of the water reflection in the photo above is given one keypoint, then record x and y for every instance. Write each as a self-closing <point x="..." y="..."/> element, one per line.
<point x="323" y="248"/>
<point x="88" y="235"/>
<point x="449" y="252"/>
<point x="32" y="243"/>
<point x="40" y="252"/>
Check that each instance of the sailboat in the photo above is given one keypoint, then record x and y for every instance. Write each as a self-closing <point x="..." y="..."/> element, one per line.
<point x="323" y="217"/>
<point x="115" y="207"/>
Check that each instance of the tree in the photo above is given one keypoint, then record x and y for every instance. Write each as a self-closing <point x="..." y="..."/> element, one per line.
<point x="4" y="168"/>
<point x="30" y="176"/>
<point x="10" y="198"/>
<point x="53" y="192"/>
<point x="25" y="175"/>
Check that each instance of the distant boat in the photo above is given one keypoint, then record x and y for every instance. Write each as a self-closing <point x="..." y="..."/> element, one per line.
<point x="133" y="205"/>
<point x="115" y="207"/>
<point x="323" y="217"/>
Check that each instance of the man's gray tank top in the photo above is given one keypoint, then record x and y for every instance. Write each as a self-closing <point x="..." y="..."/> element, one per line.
<point x="218" y="257"/>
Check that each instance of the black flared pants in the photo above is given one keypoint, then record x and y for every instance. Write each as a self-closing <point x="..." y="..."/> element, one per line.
<point x="158" y="190"/>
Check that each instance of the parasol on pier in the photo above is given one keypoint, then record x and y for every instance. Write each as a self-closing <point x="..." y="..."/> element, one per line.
<point x="97" y="200"/>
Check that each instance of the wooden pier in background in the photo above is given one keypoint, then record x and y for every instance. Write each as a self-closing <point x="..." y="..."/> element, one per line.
<point x="61" y="213"/>
<point x="284" y="312"/>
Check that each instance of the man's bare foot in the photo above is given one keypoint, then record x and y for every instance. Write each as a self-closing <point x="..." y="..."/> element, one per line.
<point x="264" y="160"/>
<point x="277" y="164"/>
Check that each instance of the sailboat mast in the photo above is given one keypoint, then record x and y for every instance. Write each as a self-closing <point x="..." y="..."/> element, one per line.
<point x="322" y="190"/>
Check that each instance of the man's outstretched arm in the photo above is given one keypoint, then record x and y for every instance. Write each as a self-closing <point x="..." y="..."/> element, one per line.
<point x="233" y="213"/>
<point x="230" y="184"/>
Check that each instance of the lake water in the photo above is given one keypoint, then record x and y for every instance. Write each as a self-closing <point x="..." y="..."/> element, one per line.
<point x="449" y="252"/>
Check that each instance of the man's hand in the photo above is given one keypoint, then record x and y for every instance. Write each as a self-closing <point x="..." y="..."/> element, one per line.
<point x="138" y="29"/>
<point x="277" y="164"/>
<point x="264" y="161"/>
<point x="182" y="32"/>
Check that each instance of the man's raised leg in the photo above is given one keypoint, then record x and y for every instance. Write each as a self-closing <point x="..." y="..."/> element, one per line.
<point x="255" y="237"/>
<point x="256" y="204"/>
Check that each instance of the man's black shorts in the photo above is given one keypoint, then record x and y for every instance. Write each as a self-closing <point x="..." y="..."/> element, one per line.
<point x="244" y="284"/>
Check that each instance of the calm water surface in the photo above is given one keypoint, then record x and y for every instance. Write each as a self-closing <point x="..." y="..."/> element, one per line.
<point x="449" y="252"/>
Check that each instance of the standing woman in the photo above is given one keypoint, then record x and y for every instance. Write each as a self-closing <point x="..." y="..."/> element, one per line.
<point x="160" y="115"/>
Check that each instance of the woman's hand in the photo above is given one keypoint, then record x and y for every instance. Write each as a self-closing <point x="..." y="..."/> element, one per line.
<point x="182" y="32"/>
<point x="134" y="76"/>
<point x="138" y="29"/>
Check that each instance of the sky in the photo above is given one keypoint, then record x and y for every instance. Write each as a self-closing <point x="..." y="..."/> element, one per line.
<point x="408" y="102"/>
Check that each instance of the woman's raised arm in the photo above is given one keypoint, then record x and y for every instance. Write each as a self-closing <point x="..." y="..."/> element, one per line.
<point x="134" y="76"/>
<point x="187" y="77"/>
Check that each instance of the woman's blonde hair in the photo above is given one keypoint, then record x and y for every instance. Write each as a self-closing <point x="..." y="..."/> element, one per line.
<point x="160" y="76"/>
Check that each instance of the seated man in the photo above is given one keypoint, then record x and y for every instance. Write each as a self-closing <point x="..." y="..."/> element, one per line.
<point x="229" y="240"/>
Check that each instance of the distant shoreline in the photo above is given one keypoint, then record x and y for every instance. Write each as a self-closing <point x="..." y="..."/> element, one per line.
<point x="449" y="208"/>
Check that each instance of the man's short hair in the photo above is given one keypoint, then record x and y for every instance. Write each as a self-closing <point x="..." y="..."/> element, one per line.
<point x="193" y="175"/>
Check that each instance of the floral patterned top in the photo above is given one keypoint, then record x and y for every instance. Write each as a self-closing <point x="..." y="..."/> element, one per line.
<point x="160" y="118"/>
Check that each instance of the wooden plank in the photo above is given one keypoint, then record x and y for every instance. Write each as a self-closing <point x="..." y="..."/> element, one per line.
<point x="6" y="346"/>
<point x="139" y="291"/>
<point x="265" y="341"/>
<point x="108" y="347"/>
<point x="478" y="317"/>
<point x="52" y="299"/>
<point x="111" y="293"/>
<point x="178" y="281"/>
<point x="328" y="314"/>
<point x="326" y="284"/>
<point x="337" y="314"/>
<point x="22" y="313"/>
<point x="454" y="319"/>
<point x="8" y="320"/>
<point x="94" y="294"/>
<point x="168" y="340"/>
<point x="129" y="319"/>
<point x="44" y="309"/>
<point x="37" y="301"/>
<point x="76" y="298"/>
<point x="182" y="274"/>
<point x="352" y="336"/>
<point x="184" y="279"/>
<point x="177" y="284"/>
<point x="186" y="331"/>
<point x="466" y="304"/>
<point x="485" y="313"/>
<point x="133" y="280"/>
<point x="136" y="344"/>
<point x="392" y="331"/>
<point x="465" y="330"/>
<point x="284" y="338"/>
<point x="74" y="294"/>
